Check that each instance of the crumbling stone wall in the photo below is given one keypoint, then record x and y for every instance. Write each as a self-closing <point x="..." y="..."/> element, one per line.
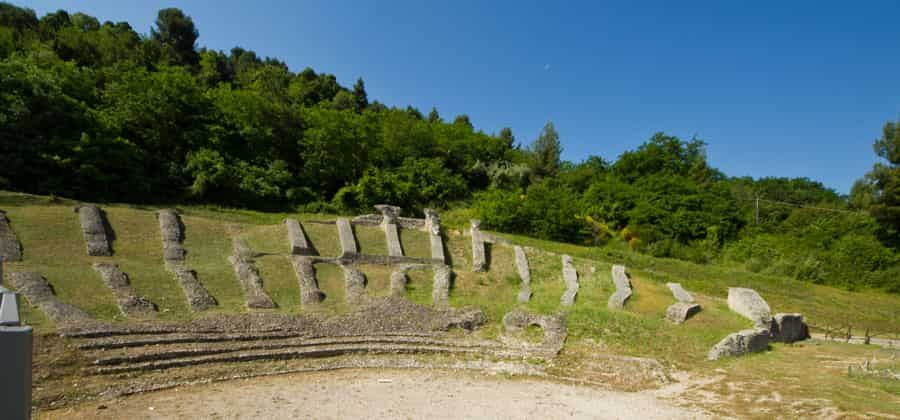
<point x="94" y="227"/>
<point x="172" y="231"/>
<point x="130" y="303"/>
<point x="39" y="293"/>
<point x="248" y="276"/>
<point x="310" y="294"/>
<point x="10" y="247"/>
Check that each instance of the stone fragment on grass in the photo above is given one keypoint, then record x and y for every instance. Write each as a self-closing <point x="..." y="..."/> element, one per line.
<point x="741" y="343"/>
<point x="751" y="305"/>
<point x="570" y="276"/>
<point x="623" y="288"/>
<point x="681" y="311"/>
<point x="680" y="294"/>
<point x="788" y="328"/>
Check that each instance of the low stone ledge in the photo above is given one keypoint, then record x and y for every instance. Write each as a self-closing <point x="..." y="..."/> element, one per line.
<point x="524" y="272"/>
<point x="39" y="293"/>
<point x="623" y="288"/>
<point x="130" y="303"/>
<point x="570" y="276"/>
<point x="297" y="238"/>
<point x="680" y="294"/>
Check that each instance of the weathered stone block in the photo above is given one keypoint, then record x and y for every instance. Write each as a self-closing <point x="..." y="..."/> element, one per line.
<point x="297" y="238"/>
<point x="570" y="276"/>
<point x="680" y="294"/>
<point x="389" y="214"/>
<point x="433" y="226"/>
<point x="10" y="247"/>
<point x="740" y="343"/>
<point x="398" y="283"/>
<point x="94" y="228"/>
<point x="346" y="237"/>
<point x="479" y="259"/>
<point x="681" y="311"/>
<point x="788" y="328"/>
<point x="751" y="305"/>
<point x="441" y="284"/>
<point x="172" y="232"/>
<point x="554" y="326"/>
<point x="623" y="288"/>
<point x="392" y="236"/>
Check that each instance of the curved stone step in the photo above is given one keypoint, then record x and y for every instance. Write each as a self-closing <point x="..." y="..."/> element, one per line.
<point x="117" y="342"/>
<point x="155" y="353"/>
<point x="309" y="352"/>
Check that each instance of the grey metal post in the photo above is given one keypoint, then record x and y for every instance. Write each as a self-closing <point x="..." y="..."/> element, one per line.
<point x="15" y="358"/>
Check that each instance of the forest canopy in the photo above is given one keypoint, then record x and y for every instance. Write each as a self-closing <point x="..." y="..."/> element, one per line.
<point x="97" y="111"/>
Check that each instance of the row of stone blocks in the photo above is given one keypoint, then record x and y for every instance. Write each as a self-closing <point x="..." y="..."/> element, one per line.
<point x="782" y="327"/>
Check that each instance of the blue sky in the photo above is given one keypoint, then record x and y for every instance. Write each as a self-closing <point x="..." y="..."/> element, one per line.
<point x="775" y="88"/>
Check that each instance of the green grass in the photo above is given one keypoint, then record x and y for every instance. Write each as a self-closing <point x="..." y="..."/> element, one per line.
<point x="54" y="246"/>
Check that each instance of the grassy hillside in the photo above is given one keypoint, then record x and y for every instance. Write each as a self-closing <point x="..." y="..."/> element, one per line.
<point x="53" y="245"/>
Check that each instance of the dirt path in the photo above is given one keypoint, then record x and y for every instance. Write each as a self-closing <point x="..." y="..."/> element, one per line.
<point x="382" y="395"/>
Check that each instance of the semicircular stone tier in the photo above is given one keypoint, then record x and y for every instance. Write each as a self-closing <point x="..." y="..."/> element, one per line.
<point x="94" y="228"/>
<point x="10" y="247"/>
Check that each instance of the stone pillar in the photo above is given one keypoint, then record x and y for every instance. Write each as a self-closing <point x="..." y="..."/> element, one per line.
<point x="345" y="234"/>
<point x="479" y="261"/>
<point x="15" y="360"/>
<point x="389" y="216"/>
<point x="433" y="226"/>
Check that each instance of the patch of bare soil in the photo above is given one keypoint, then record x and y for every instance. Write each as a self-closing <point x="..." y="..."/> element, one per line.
<point x="379" y="394"/>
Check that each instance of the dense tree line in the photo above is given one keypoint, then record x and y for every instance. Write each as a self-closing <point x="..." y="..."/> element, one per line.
<point x="97" y="111"/>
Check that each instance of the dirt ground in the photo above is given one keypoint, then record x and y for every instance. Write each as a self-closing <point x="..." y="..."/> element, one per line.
<point x="382" y="394"/>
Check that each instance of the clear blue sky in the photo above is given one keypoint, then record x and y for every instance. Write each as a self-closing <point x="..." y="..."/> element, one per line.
<point x="775" y="88"/>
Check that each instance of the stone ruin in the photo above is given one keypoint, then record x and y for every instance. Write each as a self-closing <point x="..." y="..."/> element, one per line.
<point x="623" y="288"/>
<point x="130" y="303"/>
<point x="684" y="308"/>
<point x="40" y="294"/>
<point x="94" y="226"/>
<point x="10" y="248"/>
<point x="479" y="258"/>
<point x="172" y="231"/>
<point x="570" y="276"/>
<point x="785" y="328"/>
<point x="248" y="275"/>
<point x="524" y="274"/>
